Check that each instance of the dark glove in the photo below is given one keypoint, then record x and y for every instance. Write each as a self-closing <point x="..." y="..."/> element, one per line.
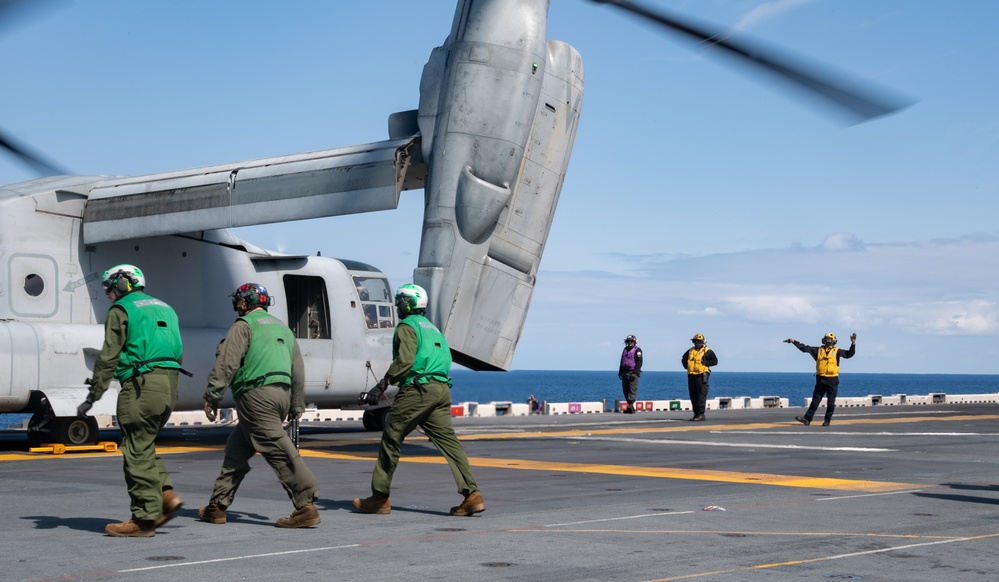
<point x="853" y="337"/>
<point x="372" y="397"/>
<point x="294" y="415"/>
<point x="211" y="411"/>
<point x="84" y="408"/>
<point x="789" y="341"/>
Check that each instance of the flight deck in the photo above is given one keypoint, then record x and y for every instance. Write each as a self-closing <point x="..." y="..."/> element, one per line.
<point x="884" y="493"/>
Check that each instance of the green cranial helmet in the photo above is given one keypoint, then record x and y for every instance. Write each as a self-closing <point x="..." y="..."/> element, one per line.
<point x="410" y="298"/>
<point x="123" y="278"/>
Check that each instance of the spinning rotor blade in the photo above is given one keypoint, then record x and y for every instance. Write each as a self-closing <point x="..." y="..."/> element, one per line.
<point x="42" y="167"/>
<point x="12" y="12"/>
<point x="857" y="103"/>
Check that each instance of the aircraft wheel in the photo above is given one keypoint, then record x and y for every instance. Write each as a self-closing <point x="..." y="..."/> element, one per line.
<point x="375" y="419"/>
<point x="74" y="431"/>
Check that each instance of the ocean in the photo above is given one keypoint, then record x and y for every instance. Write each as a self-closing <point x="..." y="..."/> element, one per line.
<point x="578" y="386"/>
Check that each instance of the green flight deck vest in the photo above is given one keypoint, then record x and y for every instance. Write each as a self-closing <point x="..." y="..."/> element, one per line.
<point x="433" y="356"/>
<point x="268" y="359"/>
<point x="153" y="336"/>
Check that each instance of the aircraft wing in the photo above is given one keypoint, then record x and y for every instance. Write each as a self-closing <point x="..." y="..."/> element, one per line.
<point x="348" y="180"/>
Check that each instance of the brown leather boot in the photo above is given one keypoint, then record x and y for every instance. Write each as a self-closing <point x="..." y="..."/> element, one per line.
<point x="211" y="513"/>
<point x="301" y="517"/>
<point x="373" y="504"/>
<point x="171" y="503"/>
<point x="133" y="528"/>
<point x="472" y="504"/>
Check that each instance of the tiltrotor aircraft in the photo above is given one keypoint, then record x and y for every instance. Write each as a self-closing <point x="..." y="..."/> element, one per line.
<point x="489" y="145"/>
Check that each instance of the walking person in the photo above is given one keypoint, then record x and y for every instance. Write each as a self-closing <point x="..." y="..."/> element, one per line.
<point x="142" y="350"/>
<point x="827" y="360"/>
<point x="629" y="370"/>
<point x="698" y="361"/>
<point x="260" y="360"/>
<point x="420" y="367"/>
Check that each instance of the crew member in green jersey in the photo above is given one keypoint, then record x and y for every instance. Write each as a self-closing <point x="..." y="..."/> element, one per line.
<point x="420" y="367"/>
<point x="142" y="350"/>
<point x="260" y="360"/>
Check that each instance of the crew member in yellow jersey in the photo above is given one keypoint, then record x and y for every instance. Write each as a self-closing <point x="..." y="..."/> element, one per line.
<point x="698" y="361"/>
<point x="827" y="360"/>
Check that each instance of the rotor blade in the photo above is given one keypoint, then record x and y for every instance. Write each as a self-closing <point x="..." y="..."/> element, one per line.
<point x="14" y="12"/>
<point x="40" y="165"/>
<point x="858" y="103"/>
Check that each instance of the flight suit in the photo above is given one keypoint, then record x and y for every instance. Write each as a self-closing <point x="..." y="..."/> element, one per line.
<point x="260" y="359"/>
<point x="698" y="362"/>
<point x="423" y="400"/>
<point x="148" y="393"/>
<point x="826" y="376"/>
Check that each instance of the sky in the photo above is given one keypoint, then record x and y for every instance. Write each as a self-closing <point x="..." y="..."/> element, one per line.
<point x="699" y="198"/>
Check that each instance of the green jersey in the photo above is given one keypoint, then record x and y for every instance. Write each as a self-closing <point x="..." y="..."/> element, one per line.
<point x="153" y="336"/>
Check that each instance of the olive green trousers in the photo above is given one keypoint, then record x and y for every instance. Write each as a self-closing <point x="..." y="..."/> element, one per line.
<point x="428" y="407"/>
<point x="144" y="407"/>
<point x="262" y="412"/>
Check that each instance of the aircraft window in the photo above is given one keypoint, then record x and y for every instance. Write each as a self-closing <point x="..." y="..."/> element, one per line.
<point x="385" y="316"/>
<point x="308" y="307"/>
<point x="373" y="289"/>
<point x="376" y="301"/>
<point x="33" y="285"/>
<point x="371" y="316"/>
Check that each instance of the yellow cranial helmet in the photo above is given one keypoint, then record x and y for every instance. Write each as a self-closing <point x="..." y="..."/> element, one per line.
<point x="829" y="339"/>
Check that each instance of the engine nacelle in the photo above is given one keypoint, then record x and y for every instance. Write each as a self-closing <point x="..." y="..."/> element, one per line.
<point x="499" y="106"/>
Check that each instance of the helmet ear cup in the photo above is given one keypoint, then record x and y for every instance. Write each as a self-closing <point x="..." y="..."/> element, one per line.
<point x="123" y="282"/>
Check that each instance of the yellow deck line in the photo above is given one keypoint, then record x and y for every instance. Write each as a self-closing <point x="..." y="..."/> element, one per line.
<point x="638" y="471"/>
<point x="604" y="469"/>
<point x="714" y="427"/>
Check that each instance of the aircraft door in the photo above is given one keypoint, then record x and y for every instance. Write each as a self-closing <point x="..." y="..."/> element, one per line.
<point x="309" y="319"/>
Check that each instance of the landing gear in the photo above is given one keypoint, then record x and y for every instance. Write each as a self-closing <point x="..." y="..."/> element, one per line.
<point x="45" y="427"/>
<point x="375" y="419"/>
<point x="64" y="430"/>
<point x="72" y="430"/>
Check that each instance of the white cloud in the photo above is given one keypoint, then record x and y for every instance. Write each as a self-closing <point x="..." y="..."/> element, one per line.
<point x="842" y="241"/>
<point x="774" y="308"/>
<point x="975" y="317"/>
<point x="909" y="302"/>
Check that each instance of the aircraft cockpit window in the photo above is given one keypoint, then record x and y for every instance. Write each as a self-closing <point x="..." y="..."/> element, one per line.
<point x="376" y="301"/>
<point x="308" y="307"/>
